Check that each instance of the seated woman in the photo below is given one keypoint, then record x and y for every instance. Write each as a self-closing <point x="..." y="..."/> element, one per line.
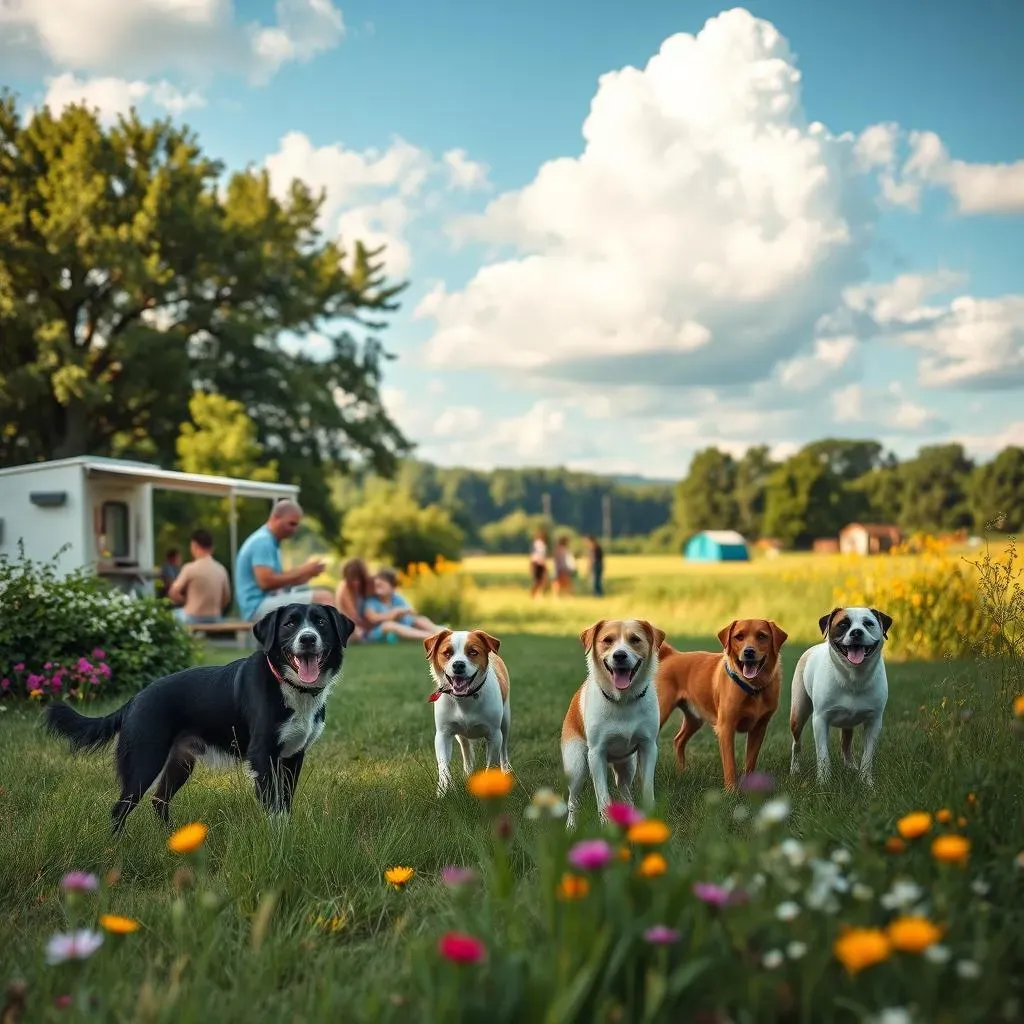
<point x="389" y="614"/>
<point x="355" y="588"/>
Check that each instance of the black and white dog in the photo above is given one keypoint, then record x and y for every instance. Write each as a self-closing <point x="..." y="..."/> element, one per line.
<point x="266" y="710"/>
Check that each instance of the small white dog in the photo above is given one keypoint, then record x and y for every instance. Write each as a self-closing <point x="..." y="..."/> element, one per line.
<point x="471" y="699"/>
<point x="613" y="718"/>
<point x="841" y="683"/>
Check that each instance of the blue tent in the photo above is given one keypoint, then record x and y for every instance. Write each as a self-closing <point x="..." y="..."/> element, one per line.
<point x="716" y="546"/>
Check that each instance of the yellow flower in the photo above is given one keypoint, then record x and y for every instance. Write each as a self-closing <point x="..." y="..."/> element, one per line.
<point x="913" y="826"/>
<point x="858" y="948"/>
<point x="951" y="849"/>
<point x="895" y="845"/>
<point x="649" y="832"/>
<point x="399" y="876"/>
<point x="117" y="925"/>
<point x="652" y="866"/>
<point x="1018" y="706"/>
<point x="945" y="816"/>
<point x="488" y="783"/>
<point x="912" y="934"/>
<point x="188" y="838"/>
<point x="573" y="887"/>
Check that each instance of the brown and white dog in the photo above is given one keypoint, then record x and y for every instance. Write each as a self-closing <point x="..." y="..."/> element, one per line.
<point x="613" y="717"/>
<point x="736" y="690"/>
<point x="471" y="699"/>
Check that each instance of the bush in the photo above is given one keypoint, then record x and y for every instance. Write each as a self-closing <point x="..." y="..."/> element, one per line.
<point x="78" y="637"/>
<point x="441" y="592"/>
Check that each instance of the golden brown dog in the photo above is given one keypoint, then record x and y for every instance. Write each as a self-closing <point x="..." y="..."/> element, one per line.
<point x="736" y="690"/>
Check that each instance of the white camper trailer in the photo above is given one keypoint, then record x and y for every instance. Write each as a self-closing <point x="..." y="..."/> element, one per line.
<point x="103" y="509"/>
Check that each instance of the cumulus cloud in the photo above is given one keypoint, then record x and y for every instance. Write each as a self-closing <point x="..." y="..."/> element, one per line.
<point x="464" y="173"/>
<point x="886" y="408"/>
<point x="110" y="97"/>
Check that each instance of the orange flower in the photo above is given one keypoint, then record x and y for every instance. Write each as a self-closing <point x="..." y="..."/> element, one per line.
<point x="399" y="877"/>
<point x="858" y="948"/>
<point x="652" y="866"/>
<point x="961" y="822"/>
<point x="913" y="934"/>
<point x="913" y="826"/>
<point x="649" y="832"/>
<point x="488" y="783"/>
<point x="951" y="849"/>
<point x="188" y="838"/>
<point x="624" y="853"/>
<point x="573" y="887"/>
<point x="895" y="845"/>
<point x="117" y="925"/>
<point x="1018" y="706"/>
<point x="972" y="799"/>
<point x="945" y="816"/>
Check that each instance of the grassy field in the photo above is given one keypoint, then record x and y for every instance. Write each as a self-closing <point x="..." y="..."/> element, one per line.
<point x="297" y="923"/>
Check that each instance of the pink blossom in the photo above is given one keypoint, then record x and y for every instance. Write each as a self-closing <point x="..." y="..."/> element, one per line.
<point x="83" y="665"/>
<point x="104" y="669"/>
<point x="623" y="814"/>
<point x="79" y="881"/>
<point x="78" y="945"/>
<point x="591" y="854"/>
<point x="461" y="948"/>
<point x="661" y="935"/>
<point x="5" y="684"/>
<point x="454" y="876"/>
<point x="757" y="782"/>
<point x="717" y="895"/>
<point x="20" y="667"/>
<point x="48" y="665"/>
<point x="33" y="681"/>
<point x="99" y="654"/>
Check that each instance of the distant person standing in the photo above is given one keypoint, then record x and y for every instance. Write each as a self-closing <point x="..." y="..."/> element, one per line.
<point x="539" y="562"/>
<point x="565" y="567"/>
<point x="169" y="570"/>
<point x="202" y="587"/>
<point x="596" y="564"/>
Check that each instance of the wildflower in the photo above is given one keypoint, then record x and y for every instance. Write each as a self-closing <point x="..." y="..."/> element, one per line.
<point x="968" y="970"/>
<point x="945" y="816"/>
<point x="796" y="950"/>
<point x="573" y="887"/>
<point x="841" y="856"/>
<point x="545" y="802"/>
<point x="490" y="783"/>
<point x="863" y="893"/>
<point x="1019" y="860"/>
<point x="858" y="948"/>
<point x="650" y="832"/>
<point x="980" y="887"/>
<point x="774" y="812"/>
<point x="717" y="895"/>
<point x="913" y="934"/>
<point x="591" y="854"/>
<point x="77" y="945"/>
<point x="972" y="799"/>
<point x="622" y="814"/>
<point x="913" y="826"/>
<point x="117" y="925"/>
<point x="79" y="881"/>
<point x="893" y="1015"/>
<point x="951" y="849"/>
<point x="894" y="844"/>
<point x="773" y="959"/>
<point x="399" y="877"/>
<point x="661" y="935"/>
<point x="1018" y="706"/>
<point x="961" y="822"/>
<point x="903" y="893"/>
<point x="454" y="876"/>
<point x="461" y="948"/>
<point x="188" y="838"/>
<point x="652" y="866"/>
<point x="757" y="782"/>
<point x="740" y="813"/>
<point x="787" y="911"/>
<point x="937" y="954"/>
<point x="793" y="850"/>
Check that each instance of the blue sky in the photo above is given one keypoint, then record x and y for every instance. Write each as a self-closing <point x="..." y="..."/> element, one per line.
<point x="705" y="267"/>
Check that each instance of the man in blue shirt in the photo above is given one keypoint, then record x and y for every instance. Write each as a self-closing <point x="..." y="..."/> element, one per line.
<point x="261" y="583"/>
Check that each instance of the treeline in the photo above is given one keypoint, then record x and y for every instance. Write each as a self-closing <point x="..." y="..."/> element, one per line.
<point x="831" y="482"/>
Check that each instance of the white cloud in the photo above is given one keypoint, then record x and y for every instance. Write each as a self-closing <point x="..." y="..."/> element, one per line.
<point x="987" y="445"/>
<point x="464" y="173"/>
<point x="885" y="410"/>
<point x="110" y="97"/>
<point x="901" y="300"/>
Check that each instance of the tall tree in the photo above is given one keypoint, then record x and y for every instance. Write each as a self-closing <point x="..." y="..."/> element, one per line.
<point x="753" y="471"/>
<point x="706" y="498"/>
<point x="935" y="489"/>
<point x="131" y="276"/>
<point x="850" y="459"/>
<point x="804" y="500"/>
<point x="996" y="492"/>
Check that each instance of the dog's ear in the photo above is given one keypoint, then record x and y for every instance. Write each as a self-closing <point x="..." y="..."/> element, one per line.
<point x="885" y="621"/>
<point x="265" y="630"/>
<point x="343" y="625"/>
<point x="589" y="635"/>
<point x="432" y="643"/>
<point x="725" y="634"/>
<point x="825" y="621"/>
<point x="655" y="636"/>
<point x="492" y="643"/>
<point x="779" y="635"/>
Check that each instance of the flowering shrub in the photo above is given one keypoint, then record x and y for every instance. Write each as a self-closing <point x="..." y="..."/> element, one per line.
<point x="440" y="591"/>
<point x="935" y="606"/>
<point x="76" y="636"/>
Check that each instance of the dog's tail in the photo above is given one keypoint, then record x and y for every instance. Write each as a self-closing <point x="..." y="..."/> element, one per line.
<point x="82" y="732"/>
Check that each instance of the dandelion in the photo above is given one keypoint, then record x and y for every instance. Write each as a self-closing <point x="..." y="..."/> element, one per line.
<point x="460" y="948"/>
<point x="591" y="854"/>
<point x="490" y="783"/>
<point x="77" y="945"/>
<point x="117" y="925"/>
<point x="454" y="876"/>
<point x="774" y="812"/>
<point x="653" y="865"/>
<point x="969" y="970"/>
<point x="773" y="959"/>
<point x="915" y="825"/>
<point x="622" y="814"/>
<point x="573" y="887"/>
<point x="650" y="832"/>
<point x="399" y="876"/>
<point x="913" y="934"/>
<point x="188" y="838"/>
<point x="796" y="950"/>
<point x="951" y="849"/>
<point x="79" y="881"/>
<point x="661" y="935"/>
<point x="858" y="948"/>
<point x="787" y="911"/>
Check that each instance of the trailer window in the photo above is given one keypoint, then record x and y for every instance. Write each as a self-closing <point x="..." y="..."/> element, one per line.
<point x="116" y="523"/>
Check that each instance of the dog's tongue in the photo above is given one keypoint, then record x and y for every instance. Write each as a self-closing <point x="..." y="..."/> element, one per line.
<point x="854" y="655"/>
<point x="749" y="669"/>
<point x="309" y="668"/>
<point x="621" y="678"/>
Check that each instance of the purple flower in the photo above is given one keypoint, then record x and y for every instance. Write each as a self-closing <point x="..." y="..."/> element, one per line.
<point x="79" y="881"/>
<point x="455" y="876"/>
<point x="591" y="854"/>
<point x="718" y="895"/>
<point x="661" y="935"/>
<point x="757" y="782"/>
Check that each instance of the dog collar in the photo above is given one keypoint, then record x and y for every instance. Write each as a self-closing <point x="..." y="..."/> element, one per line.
<point x="287" y="682"/>
<point x="632" y="700"/>
<point x="741" y="682"/>
<point x="474" y="693"/>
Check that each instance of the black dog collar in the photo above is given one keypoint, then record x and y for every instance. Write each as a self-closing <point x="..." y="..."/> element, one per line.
<point x="632" y="700"/>
<point x="474" y="693"/>
<point x="742" y="683"/>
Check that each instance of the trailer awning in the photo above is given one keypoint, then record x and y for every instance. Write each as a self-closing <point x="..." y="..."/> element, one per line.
<point x="194" y="483"/>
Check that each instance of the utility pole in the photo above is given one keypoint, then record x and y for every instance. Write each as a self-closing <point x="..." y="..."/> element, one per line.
<point x="545" y="504"/>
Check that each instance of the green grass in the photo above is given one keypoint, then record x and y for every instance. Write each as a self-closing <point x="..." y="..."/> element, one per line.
<point x="366" y="802"/>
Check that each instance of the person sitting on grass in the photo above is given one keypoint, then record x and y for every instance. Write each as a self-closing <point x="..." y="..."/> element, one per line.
<point x="355" y="588"/>
<point x="389" y="614"/>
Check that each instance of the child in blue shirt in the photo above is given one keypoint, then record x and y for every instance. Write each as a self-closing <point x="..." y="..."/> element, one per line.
<point x="389" y="614"/>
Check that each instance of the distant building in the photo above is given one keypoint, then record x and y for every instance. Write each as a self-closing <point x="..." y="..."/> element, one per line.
<point x="868" y="538"/>
<point x="716" y="546"/>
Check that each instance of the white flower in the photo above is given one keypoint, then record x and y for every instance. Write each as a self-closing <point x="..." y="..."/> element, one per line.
<point x="796" y="950"/>
<point x="893" y="1015"/>
<point x="774" y="812"/>
<point x="968" y="969"/>
<point x="862" y="892"/>
<point x="901" y="894"/>
<point x="793" y="850"/>
<point x="787" y="911"/>
<point x="980" y="887"/>
<point x="741" y="813"/>
<point x="77" y="945"/>
<point x="841" y="856"/>
<point x="937" y="954"/>
<point x="773" y="959"/>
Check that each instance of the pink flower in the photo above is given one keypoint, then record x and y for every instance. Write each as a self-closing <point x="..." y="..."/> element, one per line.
<point x="717" y="895"/>
<point x="104" y="669"/>
<point x="62" y="1002"/>
<point x="48" y="665"/>
<point x="661" y="935"/>
<point x="461" y="948"/>
<point x="20" y="667"/>
<point x="34" y="681"/>
<point x="454" y="876"/>
<point x="79" y="945"/>
<point x="591" y="854"/>
<point x="79" y="881"/>
<point x="623" y="814"/>
<point x="5" y="684"/>
<point x="99" y="654"/>
<point x="83" y="665"/>
<point x="757" y="782"/>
